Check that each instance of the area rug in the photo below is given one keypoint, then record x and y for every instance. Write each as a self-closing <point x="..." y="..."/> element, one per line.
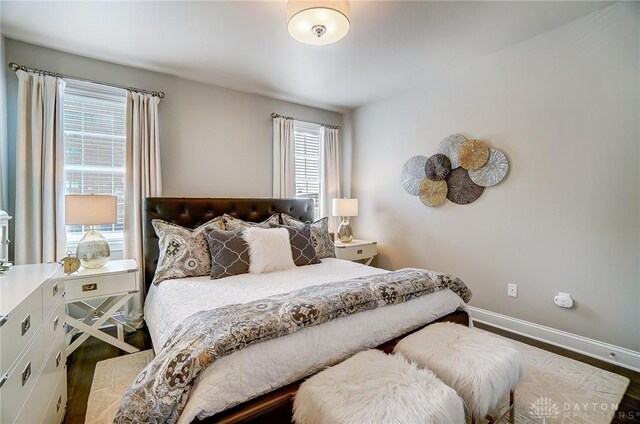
<point x="556" y="389"/>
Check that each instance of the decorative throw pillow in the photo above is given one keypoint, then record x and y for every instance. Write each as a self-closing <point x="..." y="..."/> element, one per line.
<point x="301" y="244"/>
<point x="320" y="236"/>
<point x="229" y="253"/>
<point x="183" y="252"/>
<point x="269" y="249"/>
<point x="233" y="224"/>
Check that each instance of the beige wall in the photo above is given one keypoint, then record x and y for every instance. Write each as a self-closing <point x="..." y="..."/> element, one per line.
<point x="215" y="142"/>
<point x="565" y="108"/>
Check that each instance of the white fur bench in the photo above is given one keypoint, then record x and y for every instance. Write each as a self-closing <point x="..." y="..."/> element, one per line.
<point x="373" y="387"/>
<point x="483" y="368"/>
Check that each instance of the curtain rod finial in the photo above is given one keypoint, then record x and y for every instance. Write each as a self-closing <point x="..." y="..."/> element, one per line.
<point x="13" y="66"/>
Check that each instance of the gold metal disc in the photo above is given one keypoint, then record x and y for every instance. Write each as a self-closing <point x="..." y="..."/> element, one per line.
<point x="433" y="193"/>
<point x="473" y="154"/>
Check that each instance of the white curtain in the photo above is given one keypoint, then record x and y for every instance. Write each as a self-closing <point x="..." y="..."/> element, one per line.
<point x="143" y="179"/>
<point x="40" y="234"/>
<point x="284" y="178"/>
<point x="329" y="173"/>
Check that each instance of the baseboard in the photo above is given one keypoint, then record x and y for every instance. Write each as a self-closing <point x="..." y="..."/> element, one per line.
<point x="596" y="349"/>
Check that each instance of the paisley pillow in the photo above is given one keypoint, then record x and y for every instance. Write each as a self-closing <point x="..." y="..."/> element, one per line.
<point x="322" y="241"/>
<point x="183" y="252"/>
<point x="233" y="224"/>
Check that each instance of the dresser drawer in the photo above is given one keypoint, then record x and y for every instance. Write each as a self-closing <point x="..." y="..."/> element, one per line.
<point x="57" y="403"/>
<point x="352" y="253"/>
<point x="21" y="380"/>
<point x="100" y="286"/>
<point x="52" y="292"/>
<point x="19" y="329"/>
<point x="35" y="406"/>
<point x="53" y="330"/>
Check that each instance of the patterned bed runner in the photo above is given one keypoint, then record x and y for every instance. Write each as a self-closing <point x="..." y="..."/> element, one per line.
<point x="162" y="389"/>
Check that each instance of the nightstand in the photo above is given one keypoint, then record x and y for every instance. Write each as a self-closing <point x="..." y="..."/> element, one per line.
<point x="357" y="250"/>
<point x="100" y="293"/>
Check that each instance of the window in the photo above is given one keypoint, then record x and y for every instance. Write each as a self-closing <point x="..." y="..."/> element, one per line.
<point x="94" y="125"/>
<point x="307" y="160"/>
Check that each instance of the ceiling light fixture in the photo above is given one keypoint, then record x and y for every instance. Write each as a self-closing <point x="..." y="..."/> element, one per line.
<point x="318" y="22"/>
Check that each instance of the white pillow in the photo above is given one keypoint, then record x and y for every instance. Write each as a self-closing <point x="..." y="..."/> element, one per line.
<point x="269" y="249"/>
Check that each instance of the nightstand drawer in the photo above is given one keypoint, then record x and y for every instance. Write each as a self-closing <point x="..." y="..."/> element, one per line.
<point x="356" y="252"/>
<point x="100" y="286"/>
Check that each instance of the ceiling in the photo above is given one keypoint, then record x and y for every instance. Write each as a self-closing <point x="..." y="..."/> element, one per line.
<point x="392" y="45"/>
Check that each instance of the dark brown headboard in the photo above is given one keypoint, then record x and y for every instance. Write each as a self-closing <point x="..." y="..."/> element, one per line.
<point x="192" y="212"/>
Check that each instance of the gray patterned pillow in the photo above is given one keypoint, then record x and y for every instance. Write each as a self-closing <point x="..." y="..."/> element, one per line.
<point x="183" y="252"/>
<point x="233" y="224"/>
<point x="302" y="246"/>
<point x="320" y="236"/>
<point x="229" y="253"/>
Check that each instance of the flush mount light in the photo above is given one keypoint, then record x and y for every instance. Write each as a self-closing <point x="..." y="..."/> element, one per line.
<point x="318" y="22"/>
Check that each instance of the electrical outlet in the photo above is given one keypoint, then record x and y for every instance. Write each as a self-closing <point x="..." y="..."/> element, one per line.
<point x="512" y="290"/>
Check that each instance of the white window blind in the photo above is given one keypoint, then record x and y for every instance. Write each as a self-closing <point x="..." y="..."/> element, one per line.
<point x="94" y="125"/>
<point x="307" y="161"/>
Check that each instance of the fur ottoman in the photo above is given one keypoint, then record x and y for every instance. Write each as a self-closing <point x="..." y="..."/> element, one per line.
<point x="373" y="387"/>
<point x="483" y="368"/>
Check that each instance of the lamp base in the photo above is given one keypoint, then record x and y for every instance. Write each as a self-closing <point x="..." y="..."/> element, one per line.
<point x="345" y="231"/>
<point x="93" y="250"/>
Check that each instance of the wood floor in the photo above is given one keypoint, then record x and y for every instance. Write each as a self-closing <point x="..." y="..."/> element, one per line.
<point x="82" y="362"/>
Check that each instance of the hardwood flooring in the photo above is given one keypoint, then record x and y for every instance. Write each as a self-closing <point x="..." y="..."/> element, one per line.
<point x="82" y="362"/>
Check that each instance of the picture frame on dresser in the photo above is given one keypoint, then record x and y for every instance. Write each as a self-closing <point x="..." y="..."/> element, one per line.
<point x="33" y="377"/>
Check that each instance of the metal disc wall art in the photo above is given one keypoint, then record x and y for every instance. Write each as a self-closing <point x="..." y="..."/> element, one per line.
<point x="438" y="167"/>
<point x="433" y="193"/>
<point x="460" y="189"/>
<point x="413" y="172"/>
<point x="473" y="154"/>
<point x="493" y="171"/>
<point x="459" y="171"/>
<point x="450" y="147"/>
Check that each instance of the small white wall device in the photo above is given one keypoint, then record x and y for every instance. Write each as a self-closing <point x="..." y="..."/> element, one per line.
<point x="563" y="300"/>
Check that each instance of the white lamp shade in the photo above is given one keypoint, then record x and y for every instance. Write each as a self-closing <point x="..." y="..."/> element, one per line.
<point x="345" y="207"/>
<point x="90" y="209"/>
<point x="318" y="22"/>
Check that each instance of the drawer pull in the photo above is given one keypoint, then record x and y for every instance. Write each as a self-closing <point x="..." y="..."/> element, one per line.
<point x="59" y="403"/>
<point x="56" y="321"/>
<point x="26" y="324"/>
<point x="26" y="373"/>
<point x="89" y="287"/>
<point x="359" y="251"/>
<point x="55" y="289"/>
<point x="58" y="359"/>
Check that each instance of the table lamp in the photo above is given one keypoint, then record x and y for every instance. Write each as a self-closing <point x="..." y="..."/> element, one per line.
<point x="345" y="208"/>
<point x="91" y="209"/>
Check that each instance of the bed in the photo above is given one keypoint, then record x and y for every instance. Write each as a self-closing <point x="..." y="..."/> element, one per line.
<point x="257" y="384"/>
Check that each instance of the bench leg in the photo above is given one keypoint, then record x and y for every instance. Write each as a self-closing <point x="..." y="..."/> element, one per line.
<point x="512" y="407"/>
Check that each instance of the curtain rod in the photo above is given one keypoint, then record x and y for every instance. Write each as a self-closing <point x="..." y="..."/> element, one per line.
<point x="333" y="127"/>
<point x="14" y="67"/>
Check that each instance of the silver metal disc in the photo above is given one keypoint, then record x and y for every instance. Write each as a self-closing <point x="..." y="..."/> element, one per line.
<point x="450" y="147"/>
<point x="493" y="171"/>
<point x="412" y="174"/>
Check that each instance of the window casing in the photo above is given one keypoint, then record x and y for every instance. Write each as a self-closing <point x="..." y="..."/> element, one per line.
<point x="94" y="126"/>
<point x="307" y="162"/>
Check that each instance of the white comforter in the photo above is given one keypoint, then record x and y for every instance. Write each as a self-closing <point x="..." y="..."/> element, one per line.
<point x="266" y="366"/>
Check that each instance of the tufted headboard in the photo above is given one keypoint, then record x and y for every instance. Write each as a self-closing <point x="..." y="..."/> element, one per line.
<point x="192" y="212"/>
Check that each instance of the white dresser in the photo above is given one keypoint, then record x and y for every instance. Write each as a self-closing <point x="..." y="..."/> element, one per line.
<point x="33" y="378"/>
